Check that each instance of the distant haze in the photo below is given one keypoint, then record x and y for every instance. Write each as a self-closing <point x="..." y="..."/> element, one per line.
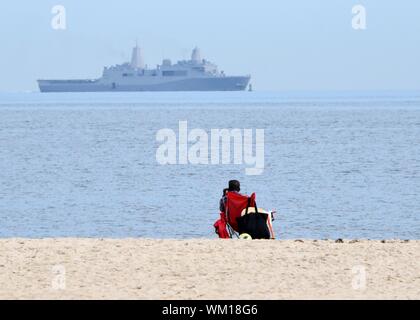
<point x="285" y="45"/>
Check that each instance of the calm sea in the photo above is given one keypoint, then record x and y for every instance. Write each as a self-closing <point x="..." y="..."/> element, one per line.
<point x="339" y="165"/>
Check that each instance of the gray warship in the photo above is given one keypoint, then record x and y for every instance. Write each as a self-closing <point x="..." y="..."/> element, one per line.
<point x="196" y="74"/>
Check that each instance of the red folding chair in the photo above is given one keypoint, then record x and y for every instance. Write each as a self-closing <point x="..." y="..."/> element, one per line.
<point x="229" y="223"/>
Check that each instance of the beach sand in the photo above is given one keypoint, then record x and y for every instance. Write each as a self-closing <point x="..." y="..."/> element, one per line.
<point x="208" y="269"/>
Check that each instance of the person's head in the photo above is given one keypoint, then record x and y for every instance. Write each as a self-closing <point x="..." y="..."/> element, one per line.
<point x="234" y="185"/>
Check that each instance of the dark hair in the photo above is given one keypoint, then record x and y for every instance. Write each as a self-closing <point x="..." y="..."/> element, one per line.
<point x="234" y="185"/>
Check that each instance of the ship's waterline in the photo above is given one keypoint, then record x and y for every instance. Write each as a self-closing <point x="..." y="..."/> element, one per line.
<point x="196" y="74"/>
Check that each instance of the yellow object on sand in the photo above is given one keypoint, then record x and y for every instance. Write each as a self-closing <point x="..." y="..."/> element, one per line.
<point x="245" y="236"/>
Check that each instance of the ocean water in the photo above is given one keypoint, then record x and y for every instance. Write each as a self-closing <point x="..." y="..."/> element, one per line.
<point x="337" y="165"/>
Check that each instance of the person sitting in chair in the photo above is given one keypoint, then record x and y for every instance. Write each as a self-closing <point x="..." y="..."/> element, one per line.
<point x="239" y="215"/>
<point x="234" y="186"/>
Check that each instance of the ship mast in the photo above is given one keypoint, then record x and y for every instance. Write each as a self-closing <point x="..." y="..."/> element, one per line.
<point x="137" y="61"/>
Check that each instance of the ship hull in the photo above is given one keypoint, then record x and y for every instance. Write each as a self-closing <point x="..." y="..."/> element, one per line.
<point x="187" y="84"/>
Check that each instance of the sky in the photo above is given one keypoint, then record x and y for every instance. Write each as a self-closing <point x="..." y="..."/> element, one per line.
<point x="289" y="45"/>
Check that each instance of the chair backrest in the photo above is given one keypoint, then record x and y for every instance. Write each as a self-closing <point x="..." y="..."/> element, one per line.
<point x="235" y="203"/>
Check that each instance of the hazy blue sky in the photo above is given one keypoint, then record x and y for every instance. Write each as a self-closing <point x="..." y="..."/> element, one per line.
<point x="284" y="45"/>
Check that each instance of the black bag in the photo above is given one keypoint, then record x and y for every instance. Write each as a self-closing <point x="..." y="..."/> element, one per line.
<point x="255" y="224"/>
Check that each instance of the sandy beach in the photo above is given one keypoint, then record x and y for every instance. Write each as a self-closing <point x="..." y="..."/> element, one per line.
<point x="208" y="269"/>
